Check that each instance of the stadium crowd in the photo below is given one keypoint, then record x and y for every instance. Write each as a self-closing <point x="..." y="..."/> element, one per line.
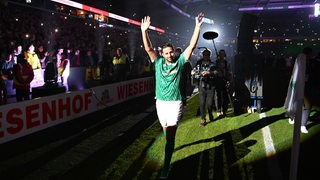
<point x="84" y="41"/>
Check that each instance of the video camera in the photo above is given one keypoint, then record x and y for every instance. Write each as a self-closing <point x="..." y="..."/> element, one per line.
<point x="199" y="79"/>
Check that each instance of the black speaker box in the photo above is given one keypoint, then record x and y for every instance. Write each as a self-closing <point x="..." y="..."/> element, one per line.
<point x="47" y="91"/>
<point x="246" y="32"/>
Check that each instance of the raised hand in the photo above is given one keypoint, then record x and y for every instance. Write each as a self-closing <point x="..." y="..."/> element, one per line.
<point x="199" y="19"/>
<point x="145" y="23"/>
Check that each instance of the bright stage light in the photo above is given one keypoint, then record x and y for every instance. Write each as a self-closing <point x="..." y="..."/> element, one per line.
<point x="264" y="8"/>
<point x="104" y="13"/>
<point x="316" y="10"/>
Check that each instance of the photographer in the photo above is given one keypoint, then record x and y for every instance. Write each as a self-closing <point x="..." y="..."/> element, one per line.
<point x="203" y="77"/>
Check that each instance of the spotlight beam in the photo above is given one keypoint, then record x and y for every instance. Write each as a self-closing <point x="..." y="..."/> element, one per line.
<point x="105" y="13"/>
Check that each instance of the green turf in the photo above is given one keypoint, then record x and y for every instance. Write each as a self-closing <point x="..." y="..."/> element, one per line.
<point x="233" y="141"/>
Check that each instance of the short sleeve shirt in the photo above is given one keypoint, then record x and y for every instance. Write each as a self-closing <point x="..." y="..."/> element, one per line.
<point x="168" y="79"/>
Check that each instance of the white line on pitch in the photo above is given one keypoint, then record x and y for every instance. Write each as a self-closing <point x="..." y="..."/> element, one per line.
<point x="267" y="139"/>
<point x="273" y="164"/>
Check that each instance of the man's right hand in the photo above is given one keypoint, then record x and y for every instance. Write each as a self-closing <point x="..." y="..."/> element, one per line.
<point x="145" y="23"/>
<point x="199" y="19"/>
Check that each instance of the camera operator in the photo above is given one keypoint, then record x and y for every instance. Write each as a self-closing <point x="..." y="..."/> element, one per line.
<point x="223" y="78"/>
<point x="203" y="78"/>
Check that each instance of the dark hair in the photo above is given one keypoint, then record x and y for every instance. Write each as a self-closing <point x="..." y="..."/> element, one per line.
<point x="206" y="51"/>
<point x="167" y="45"/>
<point x="21" y="58"/>
<point x="307" y="50"/>
<point x="5" y="54"/>
<point x="179" y="49"/>
<point x="64" y="54"/>
<point x="222" y="50"/>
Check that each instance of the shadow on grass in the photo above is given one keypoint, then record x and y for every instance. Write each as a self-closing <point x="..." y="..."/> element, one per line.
<point x="245" y="131"/>
<point x="217" y="162"/>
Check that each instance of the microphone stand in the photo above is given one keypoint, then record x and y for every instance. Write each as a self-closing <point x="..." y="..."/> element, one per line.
<point x="211" y="35"/>
<point x="215" y="48"/>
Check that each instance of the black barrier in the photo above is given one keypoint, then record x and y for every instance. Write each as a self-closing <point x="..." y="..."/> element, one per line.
<point x="43" y="91"/>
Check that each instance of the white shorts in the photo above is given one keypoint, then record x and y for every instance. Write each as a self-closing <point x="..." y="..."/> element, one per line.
<point x="169" y="112"/>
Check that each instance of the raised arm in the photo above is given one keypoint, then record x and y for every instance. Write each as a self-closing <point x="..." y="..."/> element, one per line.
<point x="195" y="36"/>
<point x="145" y="23"/>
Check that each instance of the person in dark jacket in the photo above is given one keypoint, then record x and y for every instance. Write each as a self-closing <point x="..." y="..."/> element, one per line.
<point x="203" y="74"/>
<point x="22" y="76"/>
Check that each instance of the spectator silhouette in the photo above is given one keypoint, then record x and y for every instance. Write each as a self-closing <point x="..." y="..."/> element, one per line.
<point x="22" y="76"/>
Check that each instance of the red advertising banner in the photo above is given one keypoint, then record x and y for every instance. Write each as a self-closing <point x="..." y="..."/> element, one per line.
<point x="23" y="118"/>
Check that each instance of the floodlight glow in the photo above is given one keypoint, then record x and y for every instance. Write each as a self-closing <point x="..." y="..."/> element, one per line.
<point x="105" y="13"/>
<point x="251" y="9"/>
<point x="300" y="6"/>
<point x="261" y="8"/>
<point x="208" y="21"/>
<point x="316" y="10"/>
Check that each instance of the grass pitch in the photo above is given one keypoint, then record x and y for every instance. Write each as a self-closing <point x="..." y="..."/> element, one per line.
<point x="247" y="146"/>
